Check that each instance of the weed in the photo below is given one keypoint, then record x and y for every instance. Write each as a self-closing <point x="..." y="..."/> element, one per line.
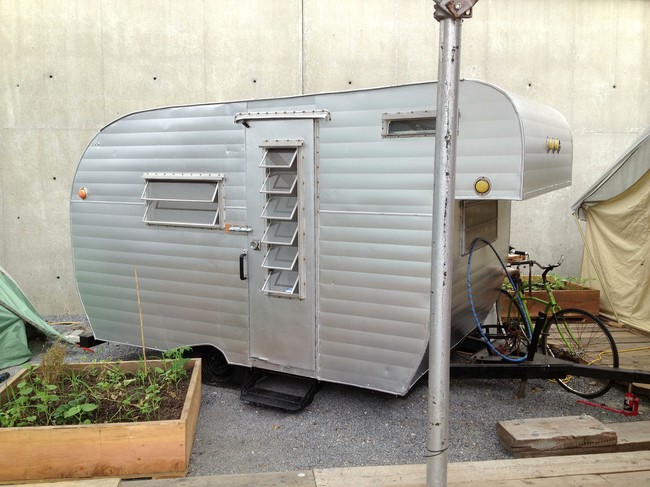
<point x="52" y="362"/>
<point x="53" y="395"/>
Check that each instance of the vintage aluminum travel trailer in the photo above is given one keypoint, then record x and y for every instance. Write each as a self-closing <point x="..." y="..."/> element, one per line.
<point x="294" y="234"/>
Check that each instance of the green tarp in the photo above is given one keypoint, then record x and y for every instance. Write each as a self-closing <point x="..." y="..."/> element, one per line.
<point x="15" y="311"/>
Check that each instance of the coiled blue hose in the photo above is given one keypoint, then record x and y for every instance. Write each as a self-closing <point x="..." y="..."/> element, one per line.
<point x="471" y="301"/>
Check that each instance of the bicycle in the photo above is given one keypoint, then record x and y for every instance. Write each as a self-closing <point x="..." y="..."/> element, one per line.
<point x="569" y="334"/>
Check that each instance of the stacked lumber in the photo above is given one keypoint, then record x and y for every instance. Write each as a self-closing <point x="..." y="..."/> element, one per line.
<point x="571" y="435"/>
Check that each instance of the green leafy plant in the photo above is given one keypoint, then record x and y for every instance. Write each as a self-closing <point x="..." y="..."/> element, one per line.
<point x="175" y="370"/>
<point x="50" y="394"/>
<point x="556" y="281"/>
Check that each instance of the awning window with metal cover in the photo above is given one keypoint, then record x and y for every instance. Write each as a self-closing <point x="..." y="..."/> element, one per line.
<point x="183" y="199"/>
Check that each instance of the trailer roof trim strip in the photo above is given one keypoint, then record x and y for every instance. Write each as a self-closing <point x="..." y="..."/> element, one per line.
<point x="244" y="117"/>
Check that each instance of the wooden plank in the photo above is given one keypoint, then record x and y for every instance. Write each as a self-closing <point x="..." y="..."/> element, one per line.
<point x="631" y="479"/>
<point x="112" y="482"/>
<point x="632" y="436"/>
<point x="567" y="481"/>
<point x="190" y="413"/>
<point x="491" y="472"/>
<point x="580" y="297"/>
<point x="548" y="436"/>
<point x="303" y="478"/>
<point x="548" y="467"/>
<point x="373" y="476"/>
<point x="634" y="363"/>
<point x="574" y="470"/>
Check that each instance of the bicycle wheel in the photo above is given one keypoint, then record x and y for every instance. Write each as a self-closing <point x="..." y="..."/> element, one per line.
<point x="509" y="336"/>
<point x="577" y="336"/>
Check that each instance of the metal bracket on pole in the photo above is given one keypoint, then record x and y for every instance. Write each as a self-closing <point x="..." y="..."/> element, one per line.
<point x="454" y="9"/>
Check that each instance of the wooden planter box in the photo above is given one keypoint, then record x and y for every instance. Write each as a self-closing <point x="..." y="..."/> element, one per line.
<point x="574" y="296"/>
<point x="145" y="449"/>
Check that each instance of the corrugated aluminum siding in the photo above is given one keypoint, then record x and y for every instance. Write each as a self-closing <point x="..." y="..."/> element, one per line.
<point x="503" y="137"/>
<point x="375" y="198"/>
<point x="188" y="278"/>
<point x="543" y="170"/>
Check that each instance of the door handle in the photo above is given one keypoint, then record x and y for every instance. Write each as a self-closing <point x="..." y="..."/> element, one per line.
<point x="242" y="274"/>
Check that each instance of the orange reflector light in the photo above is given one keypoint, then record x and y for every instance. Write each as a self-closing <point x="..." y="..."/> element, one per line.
<point x="83" y="192"/>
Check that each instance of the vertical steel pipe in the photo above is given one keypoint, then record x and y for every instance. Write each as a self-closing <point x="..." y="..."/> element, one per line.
<point x="441" y="250"/>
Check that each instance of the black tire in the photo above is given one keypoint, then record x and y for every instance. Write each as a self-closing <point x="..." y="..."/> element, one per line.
<point x="578" y="336"/>
<point x="214" y="367"/>
<point x="510" y="336"/>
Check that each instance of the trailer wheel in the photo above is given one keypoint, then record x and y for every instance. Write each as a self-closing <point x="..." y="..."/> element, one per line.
<point x="215" y="368"/>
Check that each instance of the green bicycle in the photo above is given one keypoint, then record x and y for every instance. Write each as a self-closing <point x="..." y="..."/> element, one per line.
<point x="569" y="334"/>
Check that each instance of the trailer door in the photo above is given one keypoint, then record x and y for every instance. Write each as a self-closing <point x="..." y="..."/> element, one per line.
<point x="280" y="261"/>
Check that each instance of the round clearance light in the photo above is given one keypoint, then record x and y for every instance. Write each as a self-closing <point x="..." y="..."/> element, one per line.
<point x="482" y="186"/>
<point x="83" y="193"/>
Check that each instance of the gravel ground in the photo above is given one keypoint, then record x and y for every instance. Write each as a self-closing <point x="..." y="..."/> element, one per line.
<point x="347" y="426"/>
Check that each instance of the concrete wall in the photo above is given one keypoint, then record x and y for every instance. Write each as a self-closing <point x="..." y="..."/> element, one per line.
<point x="68" y="67"/>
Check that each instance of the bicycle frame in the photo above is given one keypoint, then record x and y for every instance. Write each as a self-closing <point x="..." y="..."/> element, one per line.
<point x="551" y="308"/>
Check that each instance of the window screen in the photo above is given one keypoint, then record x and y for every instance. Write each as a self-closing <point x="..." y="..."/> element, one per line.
<point x="183" y="199"/>
<point x="478" y="219"/>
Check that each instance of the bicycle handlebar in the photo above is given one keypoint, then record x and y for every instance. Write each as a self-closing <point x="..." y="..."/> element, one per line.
<point x="530" y="262"/>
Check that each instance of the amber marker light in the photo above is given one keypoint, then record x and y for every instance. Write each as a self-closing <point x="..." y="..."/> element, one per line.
<point x="83" y="192"/>
<point x="482" y="186"/>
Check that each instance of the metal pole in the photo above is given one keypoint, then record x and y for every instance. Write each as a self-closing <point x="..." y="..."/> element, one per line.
<point x="441" y="248"/>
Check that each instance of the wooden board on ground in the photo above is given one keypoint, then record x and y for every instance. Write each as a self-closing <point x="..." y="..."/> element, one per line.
<point x="570" y="436"/>
<point x="304" y="478"/>
<point x="632" y="436"/>
<point x="569" y="470"/>
<point x="629" y="469"/>
<point x="107" y="482"/>
<point x="544" y="436"/>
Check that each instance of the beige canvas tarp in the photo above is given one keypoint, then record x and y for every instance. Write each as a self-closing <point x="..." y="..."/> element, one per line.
<point x="618" y="237"/>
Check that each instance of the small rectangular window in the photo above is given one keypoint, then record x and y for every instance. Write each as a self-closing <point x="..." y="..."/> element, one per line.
<point x="281" y="282"/>
<point x="409" y="124"/>
<point x="279" y="183"/>
<point x="282" y="257"/>
<point x="279" y="157"/>
<point x="280" y="233"/>
<point x="478" y="219"/>
<point x="183" y="199"/>
<point x="280" y="208"/>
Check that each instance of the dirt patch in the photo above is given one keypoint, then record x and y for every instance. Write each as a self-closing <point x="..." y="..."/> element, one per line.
<point x="97" y="395"/>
